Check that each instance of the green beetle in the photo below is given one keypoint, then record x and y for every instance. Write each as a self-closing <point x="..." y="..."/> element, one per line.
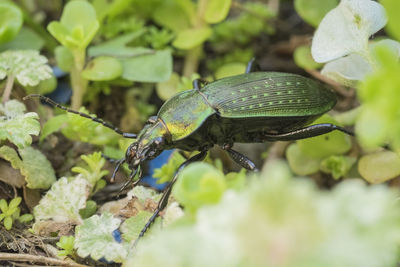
<point x="247" y="108"/>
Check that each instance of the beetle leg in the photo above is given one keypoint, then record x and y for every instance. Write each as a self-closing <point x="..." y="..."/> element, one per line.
<point x="252" y="66"/>
<point x="199" y="83"/>
<point x="240" y="159"/>
<point x="95" y="119"/>
<point x="164" y="198"/>
<point x="309" y="131"/>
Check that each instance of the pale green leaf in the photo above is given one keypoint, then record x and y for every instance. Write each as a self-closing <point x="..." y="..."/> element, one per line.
<point x="378" y="167"/>
<point x="230" y="69"/>
<point x="118" y="47"/>
<point x="174" y="15"/>
<point x="38" y="172"/>
<point x="102" y="69"/>
<point x="63" y="201"/>
<point x="156" y="67"/>
<point x="14" y="203"/>
<point x="11" y="20"/>
<point x="190" y="38"/>
<point x="392" y="8"/>
<point x="8" y="221"/>
<point x="333" y="143"/>
<point x="16" y="126"/>
<point x="94" y="238"/>
<point x="338" y="166"/>
<point x="28" y="66"/>
<point x="301" y="163"/>
<point x="92" y="171"/>
<point x="302" y="58"/>
<point x="217" y="10"/>
<point x="25" y="39"/>
<point x="312" y="11"/>
<point x="77" y="26"/>
<point x="132" y="227"/>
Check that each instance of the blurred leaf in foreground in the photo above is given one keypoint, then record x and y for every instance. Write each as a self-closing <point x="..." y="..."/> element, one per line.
<point x="281" y="221"/>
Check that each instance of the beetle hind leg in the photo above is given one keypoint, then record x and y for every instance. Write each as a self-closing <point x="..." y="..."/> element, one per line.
<point x="240" y="159"/>
<point x="306" y="132"/>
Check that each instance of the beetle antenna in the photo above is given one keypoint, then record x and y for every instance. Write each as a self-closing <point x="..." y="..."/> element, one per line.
<point x="108" y="125"/>
<point x="119" y="163"/>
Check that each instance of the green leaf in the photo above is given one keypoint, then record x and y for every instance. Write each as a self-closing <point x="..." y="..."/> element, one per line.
<point x="156" y="67"/>
<point x="63" y="201"/>
<point x="102" y="69"/>
<point x="299" y="162"/>
<point x="379" y="167"/>
<point x="174" y="15"/>
<point x="10" y="21"/>
<point x="64" y="58"/>
<point x="38" y="172"/>
<point x="52" y="125"/>
<point x="26" y="39"/>
<point x="338" y="166"/>
<point x="199" y="184"/>
<point x="16" y="126"/>
<point x="14" y="203"/>
<point x="378" y="123"/>
<point x="94" y="238"/>
<point x="165" y="90"/>
<point x="167" y="171"/>
<point x="118" y="47"/>
<point x="312" y="11"/>
<point x="67" y="244"/>
<point x="77" y="26"/>
<point x="28" y="66"/>
<point x="216" y="10"/>
<point x="190" y="38"/>
<point x="132" y="227"/>
<point x="3" y="205"/>
<point x="333" y="143"/>
<point x="230" y="69"/>
<point x="89" y="210"/>
<point x="302" y="58"/>
<point x="8" y="221"/>
<point x="392" y="7"/>
<point x="44" y="87"/>
<point x="276" y="210"/>
<point x="92" y="172"/>
<point x="85" y="130"/>
<point x="26" y="218"/>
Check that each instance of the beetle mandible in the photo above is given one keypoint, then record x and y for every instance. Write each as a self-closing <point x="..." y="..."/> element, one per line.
<point x="247" y="108"/>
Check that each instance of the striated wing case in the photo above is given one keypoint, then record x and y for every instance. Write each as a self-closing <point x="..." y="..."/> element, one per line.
<point x="268" y="94"/>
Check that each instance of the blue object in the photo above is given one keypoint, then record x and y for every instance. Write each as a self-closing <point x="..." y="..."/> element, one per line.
<point x="155" y="164"/>
<point x="117" y="235"/>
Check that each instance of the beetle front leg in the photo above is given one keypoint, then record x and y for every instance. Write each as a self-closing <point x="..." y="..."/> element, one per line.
<point x="252" y="66"/>
<point x="309" y="131"/>
<point x="240" y="159"/>
<point x="199" y="83"/>
<point x="164" y="198"/>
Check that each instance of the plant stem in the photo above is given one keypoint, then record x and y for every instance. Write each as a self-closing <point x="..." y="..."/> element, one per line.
<point x="8" y="88"/>
<point x="192" y="58"/>
<point x="78" y="83"/>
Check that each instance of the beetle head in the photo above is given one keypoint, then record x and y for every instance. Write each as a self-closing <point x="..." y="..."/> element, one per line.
<point x="150" y="144"/>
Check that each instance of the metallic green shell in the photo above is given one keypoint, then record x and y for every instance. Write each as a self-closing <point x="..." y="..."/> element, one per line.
<point x="184" y="113"/>
<point x="268" y="94"/>
<point x="249" y="95"/>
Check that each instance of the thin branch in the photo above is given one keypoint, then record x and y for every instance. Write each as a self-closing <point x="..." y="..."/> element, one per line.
<point x="9" y="86"/>
<point x="34" y="258"/>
